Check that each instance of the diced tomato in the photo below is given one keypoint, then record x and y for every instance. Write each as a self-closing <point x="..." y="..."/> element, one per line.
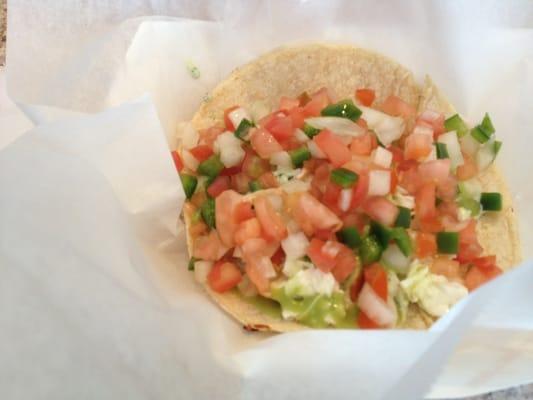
<point x="224" y="276"/>
<point x="313" y="212"/>
<point x="381" y="210"/>
<point x="467" y="170"/>
<point x="324" y="234"/>
<point x="364" y="144"/>
<point x="331" y="197"/>
<point x="239" y="183"/>
<point x="364" y="322"/>
<point x="208" y="136"/>
<point x="346" y="262"/>
<point x="356" y="287"/>
<point x="469" y="247"/>
<point x="397" y="154"/>
<point x="290" y="143"/>
<point x="484" y="263"/>
<point x="280" y="127"/>
<point x="271" y="223"/>
<point x="248" y="229"/>
<point x="243" y="211"/>
<point x="231" y="171"/>
<point x="209" y="247"/>
<point x="434" y="119"/>
<point x="321" y="177"/>
<point x="393" y="105"/>
<point x="365" y="96"/>
<point x="318" y="101"/>
<point x="360" y="191"/>
<point x="264" y="143"/>
<point x="445" y="267"/>
<point x="426" y="245"/>
<point x="425" y="201"/>
<point x="417" y="146"/>
<point x="253" y="166"/>
<point x="336" y="151"/>
<point x="227" y="120"/>
<point x="201" y="152"/>
<point x="430" y="224"/>
<point x="220" y="184"/>
<point x="447" y="189"/>
<point x="407" y="165"/>
<point x="323" y="260"/>
<point x="177" y="161"/>
<point x="286" y="103"/>
<point x="268" y="180"/>
<point x="225" y="205"/>
<point x="393" y="181"/>
<point x="356" y="219"/>
<point x="362" y="123"/>
<point x="279" y="257"/>
<point x="475" y="277"/>
<point x="435" y="171"/>
<point x="376" y="277"/>
<point x="297" y="116"/>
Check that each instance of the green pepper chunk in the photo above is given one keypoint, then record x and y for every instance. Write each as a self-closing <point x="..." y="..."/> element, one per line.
<point x="208" y="212"/>
<point x="243" y="128"/>
<point x="403" y="240"/>
<point x="189" y="183"/>
<point x="310" y="131"/>
<point x="298" y="156"/>
<point x="448" y="242"/>
<point x="343" y="177"/>
<point x="190" y="266"/>
<point x="442" y="150"/>
<point x="491" y="201"/>
<point x="497" y="147"/>
<point x="254" y="186"/>
<point x="479" y="134"/>
<point x="455" y="123"/>
<point x="487" y="126"/>
<point x="211" y="167"/>
<point x="404" y="218"/>
<point x="349" y="236"/>
<point x="344" y="108"/>
<point x="381" y="233"/>
<point x="369" y="250"/>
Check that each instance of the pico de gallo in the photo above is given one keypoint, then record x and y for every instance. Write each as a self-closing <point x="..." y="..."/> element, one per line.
<point x="340" y="209"/>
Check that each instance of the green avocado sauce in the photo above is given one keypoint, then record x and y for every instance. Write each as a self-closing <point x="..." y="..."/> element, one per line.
<point x="318" y="311"/>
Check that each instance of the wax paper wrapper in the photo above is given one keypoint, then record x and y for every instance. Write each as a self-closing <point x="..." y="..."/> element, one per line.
<point x="95" y="297"/>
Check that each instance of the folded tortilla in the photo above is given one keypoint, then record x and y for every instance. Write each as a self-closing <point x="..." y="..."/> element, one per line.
<point x="289" y="71"/>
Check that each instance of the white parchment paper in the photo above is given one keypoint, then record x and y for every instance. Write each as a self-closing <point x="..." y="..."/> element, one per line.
<point x="95" y="299"/>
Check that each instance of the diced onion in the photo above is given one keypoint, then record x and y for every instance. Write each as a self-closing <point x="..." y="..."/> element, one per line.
<point x="393" y="258"/>
<point x="189" y="160"/>
<point x="237" y="252"/>
<point x="229" y="147"/>
<point x="424" y="130"/>
<point x="382" y="157"/>
<point x="281" y="159"/>
<point x="301" y="136"/>
<point x="345" y="199"/>
<point x="471" y="188"/>
<point x="237" y="115"/>
<point x="403" y="199"/>
<point x="469" y="145"/>
<point x="315" y="150"/>
<point x="340" y="126"/>
<point x="189" y="136"/>
<point x="485" y="156"/>
<point x="264" y="264"/>
<point x="201" y="270"/>
<point x="454" y="148"/>
<point x="375" y="308"/>
<point x="430" y="115"/>
<point x="387" y="128"/>
<point x="276" y="201"/>
<point x="295" y="185"/>
<point x="432" y="156"/>
<point x="295" y="245"/>
<point x="378" y="183"/>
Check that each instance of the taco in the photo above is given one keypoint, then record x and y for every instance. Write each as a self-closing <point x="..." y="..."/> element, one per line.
<point x="327" y="189"/>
